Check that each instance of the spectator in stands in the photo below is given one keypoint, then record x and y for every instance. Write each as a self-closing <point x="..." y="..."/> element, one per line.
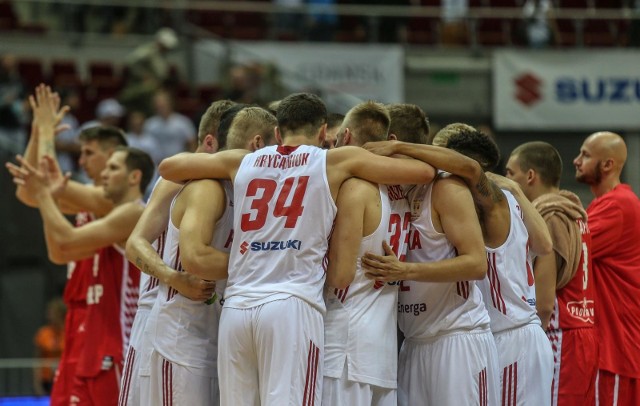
<point x="538" y="23"/>
<point x="174" y="132"/>
<point x="138" y="138"/>
<point x="49" y="344"/>
<point x="289" y="24"/>
<point x="148" y="71"/>
<point x="321" y="25"/>
<point x="454" y="24"/>
<point x="108" y="113"/>
<point x="67" y="144"/>
<point x="13" y="135"/>
<point x="245" y="82"/>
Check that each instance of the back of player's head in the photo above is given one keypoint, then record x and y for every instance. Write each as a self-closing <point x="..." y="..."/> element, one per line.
<point x="301" y="113"/>
<point x="249" y="122"/>
<point x="543" y="158"/>
<point x="137" y="159"/>
<point x="368" y="122"/>
<point x="108" y="137"/>
<point x="226" y="119"/>
<point x="409" y="123"/>
<point x="334" y="120"/>
<point x="210" y="120"/>
<point x="442" y="137"/>
<point x="476" y="145"/>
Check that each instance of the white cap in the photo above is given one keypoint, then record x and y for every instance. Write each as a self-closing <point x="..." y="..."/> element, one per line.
<point x="167" y="38"/>
<point x="109" y="108"/>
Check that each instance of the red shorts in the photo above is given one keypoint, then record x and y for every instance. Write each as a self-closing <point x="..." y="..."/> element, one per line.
<point x="73" y="343"/>
<point x="100" y="390"/>
<point x="616" y="390"/>
<point x="575" y="355"/>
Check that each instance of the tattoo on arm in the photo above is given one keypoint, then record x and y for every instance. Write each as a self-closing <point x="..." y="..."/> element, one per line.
<point x="145" y="267"/>
<point x="486" y="189"/>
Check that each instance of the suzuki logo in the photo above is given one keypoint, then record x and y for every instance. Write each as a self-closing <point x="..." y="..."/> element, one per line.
<point x="528" y="89"/>
<point x="244" y="247"/>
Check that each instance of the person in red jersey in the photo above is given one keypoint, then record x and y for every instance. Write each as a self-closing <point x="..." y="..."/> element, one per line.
<point x="614" y="221"/>
<point x="85" y="201"/>
<point x="113" y="282"/>
<point x="565" y="288"/>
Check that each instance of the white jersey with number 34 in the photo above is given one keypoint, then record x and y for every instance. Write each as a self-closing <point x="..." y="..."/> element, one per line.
<point x="284" y="215"/>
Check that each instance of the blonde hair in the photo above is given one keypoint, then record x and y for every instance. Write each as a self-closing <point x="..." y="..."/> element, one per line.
<point x="211" y="118"/>
<point x="368" y="121"/>
<point x="248" y="122"/>
<point x="442" y="137"/>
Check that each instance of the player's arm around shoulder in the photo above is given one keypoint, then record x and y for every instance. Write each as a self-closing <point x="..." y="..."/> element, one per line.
<point x="204" y="203"/>
<point x="348" y="162"/>
<point x="453" y="203"/>
<point x="188" y="165"/>
<point x="114" y="228"/>
<point x="353" y="197"/>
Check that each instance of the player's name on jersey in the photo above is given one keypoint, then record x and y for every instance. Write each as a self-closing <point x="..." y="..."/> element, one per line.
<point x="282" y="161"/>
<point x="415" y="308"/>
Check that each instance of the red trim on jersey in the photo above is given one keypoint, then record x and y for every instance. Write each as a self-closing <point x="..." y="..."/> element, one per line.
<point x="341" y="294"/>
<point x="510" y="385"/>
<point x="312" y="375"/>
<point x="463" y="289"/>
<point x="177" y="265"/>
<point x="494" y="284"/>
<point x="482" y="385"/>
<point x="126" y="379"/>
<point x="286" y="149"/>
<point x="167" y="383"/>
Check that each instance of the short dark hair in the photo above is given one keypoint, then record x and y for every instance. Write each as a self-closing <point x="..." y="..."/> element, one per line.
<point x="477" y="145"/>
<point x="225" y="123"/>
<point x="210" y="120"/>
<point x="409" y="123"/>
<point x="334" y="120"/>
<point x="107" y="136"/>
<point x="140" y="160"/>
<point x="543" y="158"/>
<point x="304" y="112"/>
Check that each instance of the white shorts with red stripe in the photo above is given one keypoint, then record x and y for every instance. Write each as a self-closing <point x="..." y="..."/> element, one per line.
<point x="342" y="391"/>
<point x="271" y="355"/>
<point x="137" y="355"/>
<point x="526" y="365"/>
<point x="454" y="369"/>
<point x="172" y="384"/>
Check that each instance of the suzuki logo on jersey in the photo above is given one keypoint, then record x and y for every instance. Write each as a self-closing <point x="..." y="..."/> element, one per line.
<point x="270" y="246"/>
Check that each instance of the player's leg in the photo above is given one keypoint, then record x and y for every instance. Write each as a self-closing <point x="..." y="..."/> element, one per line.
<point x="290" y="352"/>
<point x="130" y="385"/>
<point x="412" y="371"/>
<point x="342" y="391"/>
<point x="237" y="362"/>
<point x="613" y="389"/>
<point x="463" y="370"/>
<point x="576" y="366"/>
<point x="526" y="375"/>
<point x="191" y="386"/>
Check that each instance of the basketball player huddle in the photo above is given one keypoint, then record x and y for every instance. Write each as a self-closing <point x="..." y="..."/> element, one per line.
<point x="277" y="272"/>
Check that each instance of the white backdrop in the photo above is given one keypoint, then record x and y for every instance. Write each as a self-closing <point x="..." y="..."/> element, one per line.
<point x="571" y="90"/>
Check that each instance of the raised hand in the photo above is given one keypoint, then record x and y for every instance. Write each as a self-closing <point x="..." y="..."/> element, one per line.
<point x="45" y="105"/>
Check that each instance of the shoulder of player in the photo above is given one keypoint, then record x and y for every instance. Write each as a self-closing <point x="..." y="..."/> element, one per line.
<point x="345" y="154"/>
<point x="196" y="188"/>
<point x="359" y="187"/>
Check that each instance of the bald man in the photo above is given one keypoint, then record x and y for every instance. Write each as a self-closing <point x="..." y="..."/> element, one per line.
<point x="614" y="220"/>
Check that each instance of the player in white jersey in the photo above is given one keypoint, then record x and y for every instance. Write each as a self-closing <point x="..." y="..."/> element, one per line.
<point x="508" y="290"/>
<point x="360" y="361"/>
<point x="284" y="199"/>
<point x="148" y="240"/>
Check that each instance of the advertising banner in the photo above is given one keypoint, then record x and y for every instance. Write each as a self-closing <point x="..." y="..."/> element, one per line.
<point x="566" y="90"/>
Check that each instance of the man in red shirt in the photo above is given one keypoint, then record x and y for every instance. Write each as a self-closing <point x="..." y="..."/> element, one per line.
<point x="614" y="220"/>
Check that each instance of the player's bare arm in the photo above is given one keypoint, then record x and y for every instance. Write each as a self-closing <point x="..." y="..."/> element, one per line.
<point x="139" y="251"/>
<point x="186" y="166"/>
<point x="200" y="205"/>
<point x="349" y="228"/>
<point x="545" y="273"/>
<point x="539" y="237"/>
<point x="347" y="162"/>
<point x="454" y="207"/>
